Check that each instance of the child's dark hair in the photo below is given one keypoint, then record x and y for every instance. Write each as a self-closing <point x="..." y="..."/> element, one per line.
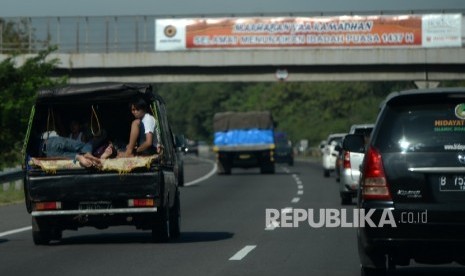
<point x="139" y="103"/>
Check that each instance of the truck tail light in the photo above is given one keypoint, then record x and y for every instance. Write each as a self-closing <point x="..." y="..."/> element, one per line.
<point x="346" y="160"/>
<point x="374" y="182"/>
<point x="141" y="202"/>
<point x="50" y="205"/>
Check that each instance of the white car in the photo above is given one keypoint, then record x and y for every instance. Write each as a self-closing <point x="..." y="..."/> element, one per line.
<point x="330" y="153"/>
<point x="349" y="168"/>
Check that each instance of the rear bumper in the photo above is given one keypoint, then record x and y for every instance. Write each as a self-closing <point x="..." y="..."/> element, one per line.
<point x="329" y="162"/>
<point x="349" y="182"/>
<point x="437" y="236"/>
<point x="74" y="220"/>
<point x="94" y="212"/>
<point x="246" y="158"/>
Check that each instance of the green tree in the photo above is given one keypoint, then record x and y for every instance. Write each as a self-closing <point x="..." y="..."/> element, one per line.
<point x="305" y="110"/>
<point x="18" y="87"/>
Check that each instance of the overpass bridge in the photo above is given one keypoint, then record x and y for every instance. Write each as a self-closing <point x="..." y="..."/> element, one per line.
<point x="117" y="52"/>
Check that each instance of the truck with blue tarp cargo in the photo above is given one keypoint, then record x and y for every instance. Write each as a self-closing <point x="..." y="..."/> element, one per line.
<point x="244" y="140"/>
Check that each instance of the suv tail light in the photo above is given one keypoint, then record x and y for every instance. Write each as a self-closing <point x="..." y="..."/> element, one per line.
<point x="374" y="183"/>
<point x="347" y="160"/>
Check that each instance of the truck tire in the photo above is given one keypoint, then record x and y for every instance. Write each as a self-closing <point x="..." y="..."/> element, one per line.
<point x="227" y="169"/>
<point x="161" y="225"/>
<point x="181" y="178"/>
<point x="326" y="173"/>
<point x="267" y="168"/>
<point x="346" y="199"/>
<point x="291" y="162"/>
<point x="175" y="218"/>
<point x="40" y="234"/>
<point x="224" y="167"/>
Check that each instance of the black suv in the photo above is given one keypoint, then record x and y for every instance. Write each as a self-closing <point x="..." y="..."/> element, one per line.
<point x="413" y="177"/>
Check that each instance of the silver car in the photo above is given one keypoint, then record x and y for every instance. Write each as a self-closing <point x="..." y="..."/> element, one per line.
<point x="329" y="152"/>
<point x="349" y="169"/>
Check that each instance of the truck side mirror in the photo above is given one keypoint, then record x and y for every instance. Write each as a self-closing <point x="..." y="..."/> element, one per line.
<point x="180" y="142"/>
<point x="354" y="143"/>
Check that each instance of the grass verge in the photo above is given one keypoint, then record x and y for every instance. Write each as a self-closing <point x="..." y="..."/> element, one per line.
<point x="10" y="194"/>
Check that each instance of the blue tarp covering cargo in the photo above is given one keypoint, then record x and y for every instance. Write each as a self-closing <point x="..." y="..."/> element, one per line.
<point x="244" y="137"/>
<point x="243" y="128"/>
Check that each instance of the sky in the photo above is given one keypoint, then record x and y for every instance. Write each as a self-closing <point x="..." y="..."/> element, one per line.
<point x="190" y="8"/>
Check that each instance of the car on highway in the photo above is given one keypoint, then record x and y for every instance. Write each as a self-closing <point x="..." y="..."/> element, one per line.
<point x="328" y="159"/>
<point x="180" y="143"/>
<point x="192" y="147"/>
<point x="348" y="167"/>
<point x="284" y="152"/>
<point x="413" y="178"/>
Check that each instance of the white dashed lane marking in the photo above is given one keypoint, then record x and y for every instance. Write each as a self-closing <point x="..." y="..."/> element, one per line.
<point x="242" y="253"/>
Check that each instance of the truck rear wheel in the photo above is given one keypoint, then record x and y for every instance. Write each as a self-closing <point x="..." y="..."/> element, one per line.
<point x="41" y="237"/>
<point x="224" y="167"/>
<point x="267" y="168"/>
<point x="175" y="218"/>
<point x="161" y="225"/>
<point x="41" y="234"/>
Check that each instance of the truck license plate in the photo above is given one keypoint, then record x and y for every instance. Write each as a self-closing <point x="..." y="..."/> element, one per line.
<point x="94" y="205"/>
<point x="452" y="183"/>
<point x="244" y="156"/>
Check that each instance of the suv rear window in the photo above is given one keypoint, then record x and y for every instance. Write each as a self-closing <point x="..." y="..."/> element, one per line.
<point x="336" y="139"/>
<point x="363" y="131"/>
<point x="421" y="128"/>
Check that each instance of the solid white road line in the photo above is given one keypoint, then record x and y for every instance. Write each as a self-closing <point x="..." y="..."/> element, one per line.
<point x="242" y="253"/>
<point x="295" y="199"/>
<point x="11" y="232"/>
<point x="205" y="177"/>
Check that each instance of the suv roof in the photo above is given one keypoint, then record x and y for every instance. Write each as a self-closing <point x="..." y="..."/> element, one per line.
<point x="443" y="91"/>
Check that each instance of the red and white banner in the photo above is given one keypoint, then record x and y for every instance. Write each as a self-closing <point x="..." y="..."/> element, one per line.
<point x="292" y="32"/>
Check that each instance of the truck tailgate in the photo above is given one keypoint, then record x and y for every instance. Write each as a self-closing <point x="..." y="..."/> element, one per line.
<point x="105" y="186"/>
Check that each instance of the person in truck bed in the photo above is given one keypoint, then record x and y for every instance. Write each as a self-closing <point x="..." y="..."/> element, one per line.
<point x="142" y="137"/>
<point x="87" y="154"/>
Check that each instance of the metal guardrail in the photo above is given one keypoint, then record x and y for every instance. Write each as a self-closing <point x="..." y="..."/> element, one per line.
<point x="13" y="175"/>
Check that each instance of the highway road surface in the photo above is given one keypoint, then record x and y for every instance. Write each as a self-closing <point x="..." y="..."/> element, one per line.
<point x="224" y="232"/>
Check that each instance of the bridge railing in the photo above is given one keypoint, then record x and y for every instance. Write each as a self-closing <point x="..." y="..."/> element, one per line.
<point x="93" y="34"/>
<point x="79" y="34"/>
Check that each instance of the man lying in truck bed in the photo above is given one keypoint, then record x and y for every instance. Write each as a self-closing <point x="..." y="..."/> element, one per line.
<point x="135" y="190"/>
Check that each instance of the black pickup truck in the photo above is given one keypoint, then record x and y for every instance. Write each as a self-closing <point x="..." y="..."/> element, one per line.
<point x="62" y="195"/>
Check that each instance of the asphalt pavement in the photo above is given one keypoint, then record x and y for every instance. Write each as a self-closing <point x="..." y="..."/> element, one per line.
<point x="224" y="232"/>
